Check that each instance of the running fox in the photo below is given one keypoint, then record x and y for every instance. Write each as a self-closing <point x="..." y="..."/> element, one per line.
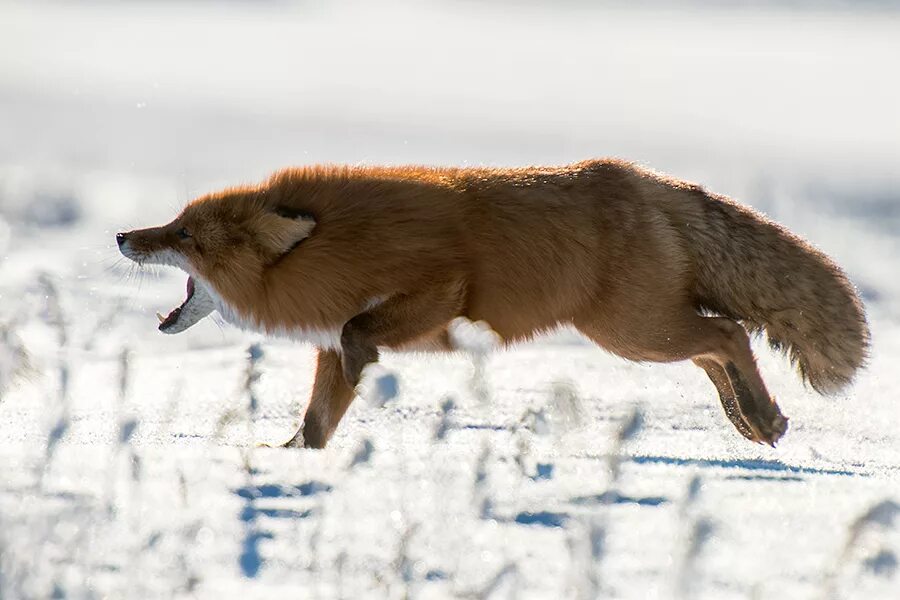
<point x="354" y="259"/>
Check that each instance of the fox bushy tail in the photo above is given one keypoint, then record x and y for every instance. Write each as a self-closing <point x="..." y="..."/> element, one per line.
<point x="756" y="271"/>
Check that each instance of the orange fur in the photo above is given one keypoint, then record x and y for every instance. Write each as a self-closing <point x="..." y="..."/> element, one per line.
<point x="387" y="257"/>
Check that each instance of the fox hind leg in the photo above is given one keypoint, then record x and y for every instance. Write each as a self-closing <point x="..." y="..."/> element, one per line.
<point x="682" y="334"/>
<point x="765" y="418"/>
<point x="727" y="397"/>
<point x="732" y="352"/>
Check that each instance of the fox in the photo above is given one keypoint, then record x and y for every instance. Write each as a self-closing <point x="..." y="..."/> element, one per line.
<point x="361" y="259"/>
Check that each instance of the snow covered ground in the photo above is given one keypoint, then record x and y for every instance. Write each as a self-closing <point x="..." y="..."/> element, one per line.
<point x="552" y="470"/>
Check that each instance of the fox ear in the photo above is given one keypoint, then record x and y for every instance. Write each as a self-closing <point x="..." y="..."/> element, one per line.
<point x="284" y="228"/>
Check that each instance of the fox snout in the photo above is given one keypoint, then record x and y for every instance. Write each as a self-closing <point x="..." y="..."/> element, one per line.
<point x="150" y="246"/>
<point x="124" y="244"/>
<point x="132" y="245"/>
<point x="139" y="236"/>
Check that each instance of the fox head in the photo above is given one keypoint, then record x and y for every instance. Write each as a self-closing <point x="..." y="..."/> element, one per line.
<point x="222" y="240"/>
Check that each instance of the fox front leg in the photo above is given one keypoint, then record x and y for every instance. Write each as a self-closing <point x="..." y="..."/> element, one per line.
<point x="331" y="396"/>
<point x="400" y="320"/>
<point x="358" y="347"/>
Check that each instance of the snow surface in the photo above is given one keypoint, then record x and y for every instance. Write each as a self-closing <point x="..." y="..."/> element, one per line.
<point x="551" y="470"/>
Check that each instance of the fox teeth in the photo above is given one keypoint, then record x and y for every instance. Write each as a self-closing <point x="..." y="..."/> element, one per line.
<point x="160" y="317"/>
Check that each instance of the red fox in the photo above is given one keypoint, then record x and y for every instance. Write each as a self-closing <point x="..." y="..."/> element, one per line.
<point x="355" y="259"/>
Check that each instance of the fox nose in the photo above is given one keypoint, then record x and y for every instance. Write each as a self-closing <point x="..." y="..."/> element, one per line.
<point x="120" y="238"/>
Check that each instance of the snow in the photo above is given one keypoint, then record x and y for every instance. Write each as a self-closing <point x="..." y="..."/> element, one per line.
<point x="131" y="465"/>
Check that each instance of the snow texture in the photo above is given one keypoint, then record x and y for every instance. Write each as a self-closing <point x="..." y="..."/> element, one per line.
<point x="131" y="465"/>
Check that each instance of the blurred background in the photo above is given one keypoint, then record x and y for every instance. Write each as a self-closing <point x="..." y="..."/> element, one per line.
<point x="114" y="114"/>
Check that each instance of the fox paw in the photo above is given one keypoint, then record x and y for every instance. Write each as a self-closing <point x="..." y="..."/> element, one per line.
<point x="768" y="427"/>
<point x="294" y="442"/>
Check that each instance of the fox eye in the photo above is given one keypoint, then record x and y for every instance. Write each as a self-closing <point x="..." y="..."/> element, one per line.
<point x="183" y="234"/>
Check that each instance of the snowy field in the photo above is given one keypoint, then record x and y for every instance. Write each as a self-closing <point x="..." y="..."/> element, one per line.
<point x="130" y="466"/>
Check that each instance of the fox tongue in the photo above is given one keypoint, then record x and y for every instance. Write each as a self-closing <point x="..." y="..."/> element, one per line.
<point x="196" y="306"/>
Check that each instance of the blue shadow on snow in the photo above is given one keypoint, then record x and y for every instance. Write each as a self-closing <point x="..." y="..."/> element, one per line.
<point x="543" y="518"/>
<point x="613" y="497"/>
<point x="250" y="560"/>
<point x="309" y="488"/>
<point x="748" y="464"/>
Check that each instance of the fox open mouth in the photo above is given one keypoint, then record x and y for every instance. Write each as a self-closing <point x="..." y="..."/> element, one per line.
<point x="196" y="306"/>
<point x="166" y="322"/>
